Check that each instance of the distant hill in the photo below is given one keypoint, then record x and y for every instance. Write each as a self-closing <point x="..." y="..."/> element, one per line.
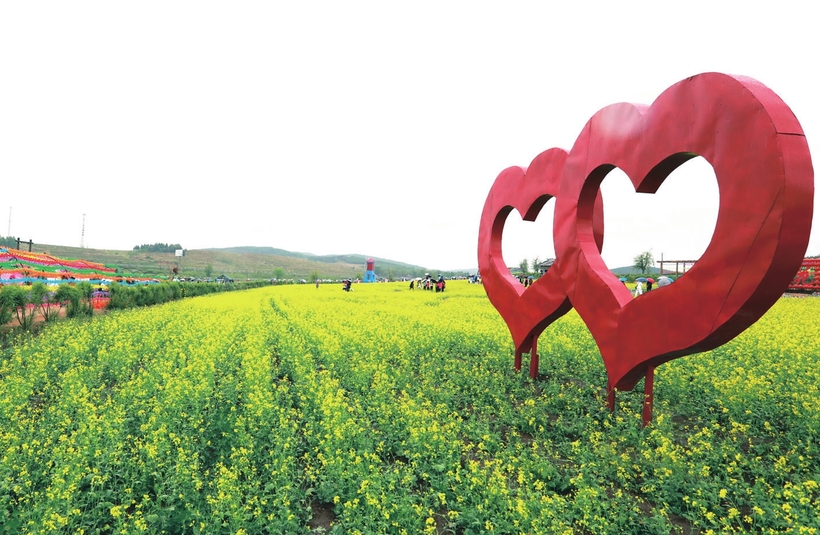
<point x="358" y="259"/>
<point x="261" y="250"/>
<point x="237" y="263"/>
<point x="383" y="265"/>
<point x="629" y="270"/>
<point x="626" y="270"/>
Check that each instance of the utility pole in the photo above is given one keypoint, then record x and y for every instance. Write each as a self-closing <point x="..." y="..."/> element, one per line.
<point x="82" y="235"/>
<point x="9" y="232"/>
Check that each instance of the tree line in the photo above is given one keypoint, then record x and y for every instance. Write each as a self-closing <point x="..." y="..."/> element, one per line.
<point x="643" y="262"/>
<point x="9" y="242"/>
<point x="158" y="247"/>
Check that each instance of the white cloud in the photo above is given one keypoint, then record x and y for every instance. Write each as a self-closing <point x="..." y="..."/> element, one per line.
<point x="348" y="127"/>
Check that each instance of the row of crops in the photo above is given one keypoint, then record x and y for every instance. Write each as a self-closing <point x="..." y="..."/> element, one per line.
<point x="295" y="409"/>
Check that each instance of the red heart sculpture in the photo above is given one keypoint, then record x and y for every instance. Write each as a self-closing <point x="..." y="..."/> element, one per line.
<point x="766" y="182"/>
<point x="529" y="311"/>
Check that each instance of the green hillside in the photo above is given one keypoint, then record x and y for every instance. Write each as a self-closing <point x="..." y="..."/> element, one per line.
<point x="236" y="262"/>
<point x="382" y="264"/>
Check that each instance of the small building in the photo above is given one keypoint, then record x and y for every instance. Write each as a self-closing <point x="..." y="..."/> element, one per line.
<point x="222" y="279"/>
<point x="545" y="266"/>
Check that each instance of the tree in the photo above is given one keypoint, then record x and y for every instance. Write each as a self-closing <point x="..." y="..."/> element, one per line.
<point x="314" y="276"/>
<point x="158" y="247"/>
<point x="77" y="299"/>
<point x="42" y="299"/>
<point x="279" y="273"/>
<point x="68" y="295"/>
<point x="209" y="270"/>
<point x="644" y="261"/>
<point x="535" y="262"/>
<point x="524" y="266"/>
<point x="19" y="298"/>
<point x="7" y="307"/>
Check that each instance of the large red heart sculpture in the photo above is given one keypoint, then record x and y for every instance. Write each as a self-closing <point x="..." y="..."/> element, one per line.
<point x="527" y="311"/>
<point x="766" y="182"/>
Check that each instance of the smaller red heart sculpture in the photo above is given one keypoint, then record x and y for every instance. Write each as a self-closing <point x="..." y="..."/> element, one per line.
<point x="527" y="311"/>
<point x="766" y="182"/>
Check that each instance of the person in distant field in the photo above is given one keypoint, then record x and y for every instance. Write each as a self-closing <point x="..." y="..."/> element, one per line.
<point x="317" y="283"/>
<point x="648" y="285"/>
<point x="638" y="288"/>
<point x="412" y="284"/>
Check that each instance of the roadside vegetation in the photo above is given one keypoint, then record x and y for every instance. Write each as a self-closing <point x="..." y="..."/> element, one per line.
<point x="28" y="308"/>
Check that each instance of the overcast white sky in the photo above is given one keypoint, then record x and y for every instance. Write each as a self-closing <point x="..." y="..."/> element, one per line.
<point x="356" y="127"/>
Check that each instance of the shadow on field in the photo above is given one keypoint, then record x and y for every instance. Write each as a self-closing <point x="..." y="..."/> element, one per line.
<point x="323" y="517"/>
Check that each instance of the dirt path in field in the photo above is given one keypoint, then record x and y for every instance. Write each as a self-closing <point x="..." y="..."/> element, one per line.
<point x="56" y="312"/>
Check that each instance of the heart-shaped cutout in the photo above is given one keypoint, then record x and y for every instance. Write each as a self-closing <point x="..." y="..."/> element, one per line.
<point x="526" y="311"/>
<point x="766" y="183"/>
<point x="675" y="223"/>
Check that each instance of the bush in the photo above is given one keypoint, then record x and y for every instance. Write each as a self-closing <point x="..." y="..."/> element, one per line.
<point x="77" y="299"/>
<point x="19" y="298"/>
<point x="6" y="305"/>
<point x="121" y="297"/>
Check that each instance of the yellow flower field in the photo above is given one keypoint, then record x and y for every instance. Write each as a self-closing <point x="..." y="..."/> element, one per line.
<point x="295" y="409"/>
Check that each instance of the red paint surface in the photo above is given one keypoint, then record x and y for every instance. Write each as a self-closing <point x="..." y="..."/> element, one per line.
<point x="527" y="311"/>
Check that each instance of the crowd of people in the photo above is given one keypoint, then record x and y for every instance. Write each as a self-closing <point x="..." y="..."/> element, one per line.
<point x="427" y="283"/>
<point x="639" y="284"/>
